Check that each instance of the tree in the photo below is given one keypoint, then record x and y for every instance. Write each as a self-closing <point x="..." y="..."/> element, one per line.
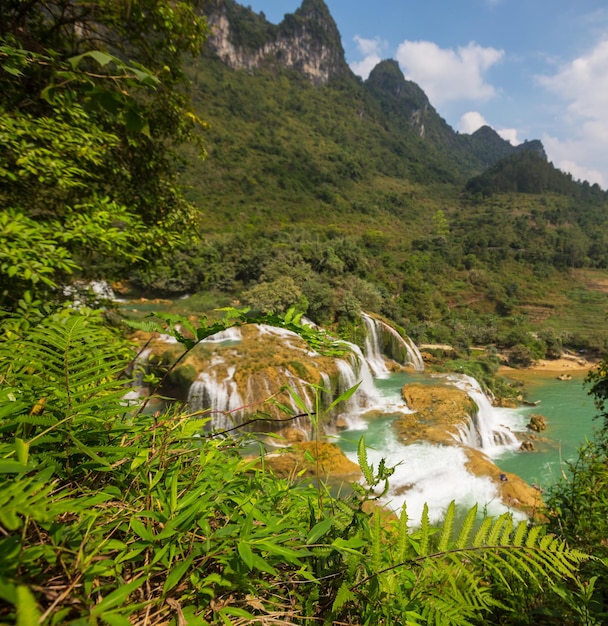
<point x="93" y="104"/>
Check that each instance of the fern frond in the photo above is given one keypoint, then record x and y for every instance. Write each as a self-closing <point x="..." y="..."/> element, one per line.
<point x="496" y="562"/>
<point x="520" y="533"/>
<point x="446" y="533"/>
<point x="376" y="531"/>
<point x="497" y="526"/>
<point x="533" y="535"/>
<point x="425" y="531"/>
<point x="366" y="469"/>
<point x="43" y="419"/>
<point x="441" y="610"/>
<point x="467" y="527"/>
<point x="402" y="535"/>
<point x="343" y="596"/>
<point x="506" y="531"/>
<point x="482" y="533"/>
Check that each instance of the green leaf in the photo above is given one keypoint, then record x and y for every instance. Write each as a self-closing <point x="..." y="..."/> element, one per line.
<point x="318" y="530"/>
<point x="262" y="565"/>
<point x="115" y="619"/>
<point x="246" y="553"/>
<point x="298" y="400"/>
<point x="27" y="608"/>
<point x="446" y="533"/>
<point x="290" y="555"/>
<point x="141" y="530"/>
<point x="344" y="397"/>
<point x="177" y="573"/>
<point x="368" y="472"/>
<point x="118" y="597"/>
<point x="467" y="527"/>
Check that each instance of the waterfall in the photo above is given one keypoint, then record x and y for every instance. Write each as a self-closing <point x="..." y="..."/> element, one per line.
<point x="384" y="339"/>
<point x="230" y="334"/>
<point x="373" y="350"/>
<point x="486" y="431"/>
<point x="138" y="389"/>
<point x="219" y="396"/>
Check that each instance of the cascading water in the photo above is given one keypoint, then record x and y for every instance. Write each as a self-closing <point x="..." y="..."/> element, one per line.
<point x="373" y="351"/>
<point x="432" y="474"/>
<point x="491" y="428"/>
<point x="220" y="398"/>
<point x="232" y="334"/>
<point x="137" y="385"/>
<point x="402" y="349"/>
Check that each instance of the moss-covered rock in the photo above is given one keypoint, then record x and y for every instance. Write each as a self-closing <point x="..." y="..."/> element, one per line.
<point x="439" y="413"/>
<point x="514" y="491"/>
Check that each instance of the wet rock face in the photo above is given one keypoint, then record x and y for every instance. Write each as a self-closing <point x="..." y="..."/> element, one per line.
<point x="254" y="370"/>
<point x="527" y="446"/>
<point x="537" y="423"/>
<point x="439" y="412"/>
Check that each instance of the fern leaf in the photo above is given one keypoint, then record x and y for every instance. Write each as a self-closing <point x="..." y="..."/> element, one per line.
<point x="425" y="531"/>
<point x="36" y="420"/>
<point x="376" y="531"/>
<point x="502" y="561"/>
<point x="520" y="533"/>
<point x="368" y="471"/>
<point x="497" y="526"/>
<point x="403" y="536"/>
<point x="482" y="533"/>
<point x="446" y="533"/>
<point x="533" y="536"/>
<point x="343" y="596"/>
<point x="506" y="532"/>
<point x="466" y="528"/>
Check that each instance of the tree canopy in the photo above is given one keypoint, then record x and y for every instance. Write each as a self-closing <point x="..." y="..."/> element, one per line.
<point x="93" y="104"/>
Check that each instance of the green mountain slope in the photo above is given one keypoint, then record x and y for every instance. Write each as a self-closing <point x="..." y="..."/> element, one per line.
<point x="332" y="193"/>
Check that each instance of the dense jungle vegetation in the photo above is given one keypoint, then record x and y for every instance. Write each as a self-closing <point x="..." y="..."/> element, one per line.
<point x="110" y="514"/>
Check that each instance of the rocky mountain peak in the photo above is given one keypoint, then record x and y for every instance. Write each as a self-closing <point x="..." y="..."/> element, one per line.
<point x="388" y="78"/>
<point x="307" y="40"/>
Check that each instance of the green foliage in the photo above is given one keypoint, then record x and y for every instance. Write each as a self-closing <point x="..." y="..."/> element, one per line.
<point x="577" y="508"/>
<point x="87" y="134"/>
<point x="108" y="513"/>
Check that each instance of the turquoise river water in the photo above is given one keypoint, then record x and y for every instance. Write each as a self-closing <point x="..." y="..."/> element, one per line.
<point x="436" y="475"/>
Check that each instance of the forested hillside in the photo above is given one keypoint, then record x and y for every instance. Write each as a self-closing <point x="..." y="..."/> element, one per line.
<point x="335" y="194"/>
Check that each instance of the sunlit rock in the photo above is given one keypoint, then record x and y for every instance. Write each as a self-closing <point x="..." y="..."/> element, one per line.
<point x="311" y="458"/>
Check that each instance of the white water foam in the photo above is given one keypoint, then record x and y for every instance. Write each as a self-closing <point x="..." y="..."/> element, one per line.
<point x="373" y="351"/>
<point x="493" y="429"/>
<point x="373" y="347"/>
<point x="435" y="475"/>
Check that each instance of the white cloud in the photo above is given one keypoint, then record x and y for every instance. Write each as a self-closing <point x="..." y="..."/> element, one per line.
<point x="446" y="74"/>
<point x="573" y="156"/>
<point x="583" y="85"/>
<point x="371" y="49"/>
<point x="510" y="135"/>
<point x="473" y="120"/>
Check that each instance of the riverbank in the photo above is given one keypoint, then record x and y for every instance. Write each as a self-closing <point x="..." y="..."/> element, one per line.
<point x="566" y="363"/>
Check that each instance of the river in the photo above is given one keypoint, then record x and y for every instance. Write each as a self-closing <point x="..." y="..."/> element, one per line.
<point x="436" y="475"/>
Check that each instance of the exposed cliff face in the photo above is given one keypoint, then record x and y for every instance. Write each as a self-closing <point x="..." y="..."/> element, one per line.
<point x="307" y="41"/>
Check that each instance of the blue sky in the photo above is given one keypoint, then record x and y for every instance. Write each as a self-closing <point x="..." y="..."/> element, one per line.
<point x="531" y="69"/>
